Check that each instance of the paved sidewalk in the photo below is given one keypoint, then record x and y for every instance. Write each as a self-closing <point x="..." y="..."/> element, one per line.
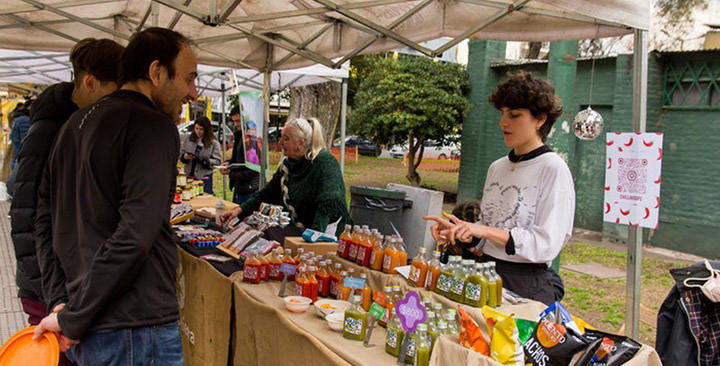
<point x="12" y="318"/>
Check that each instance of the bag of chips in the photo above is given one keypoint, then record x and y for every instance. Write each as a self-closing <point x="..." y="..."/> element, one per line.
<point x="608" y="349"/>
<point x="525" y="329"/>
<point x="553" y="344"/>
<point x="470" y="334"/>
<point x="505" y="345"/>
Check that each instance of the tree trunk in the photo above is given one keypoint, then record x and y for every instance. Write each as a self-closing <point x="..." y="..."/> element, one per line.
<point x="321" y="101"/>
<point x="412" y="174"/>
<point x="534" y="50"/>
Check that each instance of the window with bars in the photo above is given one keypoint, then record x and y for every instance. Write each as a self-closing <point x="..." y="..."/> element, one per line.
<point x="692" y="85"/>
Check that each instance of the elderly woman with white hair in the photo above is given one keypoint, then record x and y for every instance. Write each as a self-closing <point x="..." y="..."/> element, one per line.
<point x="308" y="183"/>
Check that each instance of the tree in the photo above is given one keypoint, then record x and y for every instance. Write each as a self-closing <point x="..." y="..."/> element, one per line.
<point x="321" y="101"/>
<point x="411" y="99"/>
<point x="676" y="18"/>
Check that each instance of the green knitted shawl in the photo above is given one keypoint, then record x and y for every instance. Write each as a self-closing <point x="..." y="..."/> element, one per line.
<point x="316" y="190"/>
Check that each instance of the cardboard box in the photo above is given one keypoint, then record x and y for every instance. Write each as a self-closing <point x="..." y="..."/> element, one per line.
<point x="320" y="248"/>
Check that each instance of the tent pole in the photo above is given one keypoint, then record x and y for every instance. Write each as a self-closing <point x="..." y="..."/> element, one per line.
<point x="343" y="113"/>
<point x="155" y="14"/>
<point x="266" y="113"/>
<point x="224" y="136"/>
<point x="635" y="233"/>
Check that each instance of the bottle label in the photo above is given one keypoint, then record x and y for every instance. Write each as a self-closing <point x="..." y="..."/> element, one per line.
<point x="391" y="338"/>
<point x="472" y="291"/>
<point x="411" y="348"/>
<point x="353" y="325"/>
<point x="414" y="274"/>
<point x="386" y="317"/>
<point x="353" y="251"/>
<point x="444" y="282"/>
<point x="428" y="279"/>
<point x="457" y="286"/>
<point x="320" y="286"/>
<point x="360" y="254"/>
<point x="298" y="289"/>
<point x="274" y="270"/>
<point x="386" y="262"/>
<point x="333" y="288"/>
<point x="372" y="257"/>
<point x="341" y="246"/>
<point x="263" y="272"/>
<point x="250" y="273"/>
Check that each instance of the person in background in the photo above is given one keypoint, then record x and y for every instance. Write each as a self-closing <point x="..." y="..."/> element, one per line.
<point x="467" y="211"/>
<point x="244" y="182"/>
<point x="95" y="68"/>
<point x="528" y="201"/>
<point x="308" y="182"/>
<point x="20" y="126"/>
<point x="105" y="244"/>
<point x="200" y="151"/>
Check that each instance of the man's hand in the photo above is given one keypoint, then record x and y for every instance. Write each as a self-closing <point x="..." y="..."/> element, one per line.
<point x="227" y="216"/>
<point x="50" y="324"/>
<point x="224" y="171"/>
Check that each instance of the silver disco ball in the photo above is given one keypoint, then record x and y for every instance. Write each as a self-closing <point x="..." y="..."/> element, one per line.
<point x="587" y="124"/>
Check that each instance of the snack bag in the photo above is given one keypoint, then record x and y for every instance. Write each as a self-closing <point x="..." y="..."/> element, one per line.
<point x="553" y="344"/>
<point x="525" y="329"/>
<point x="560" y="315"/>
<point x="505" y="345"/>
<point x="470" y="334"/>
<point x="608" y="349"/>
<point x="582" y="325"/>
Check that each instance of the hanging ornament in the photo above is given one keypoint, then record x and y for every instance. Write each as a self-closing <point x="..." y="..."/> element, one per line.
<point x="587" y="124"/>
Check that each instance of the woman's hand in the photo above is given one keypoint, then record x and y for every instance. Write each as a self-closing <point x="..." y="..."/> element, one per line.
<point x="438" y="229"/>
<point x="227" y="216"/>
<point x="224" y="170"/>
<point x="189" y="156"/>
<point x="455" y="229"/>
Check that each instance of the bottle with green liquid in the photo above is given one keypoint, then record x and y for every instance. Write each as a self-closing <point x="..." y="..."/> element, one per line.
<point x="410" y="352"/>
<point x="492" y="287"/>
<point x="394" y="335"/>
<point x="473" y="287"/>
<point x="458" y="283"/>
<point x="432" y="333"/>
<point x="498" y="281"/>
<point x="422" y="346"/>
<point x="445" y="278"/>
<point x="484" y="283"/>
<point x="355" y="325"/>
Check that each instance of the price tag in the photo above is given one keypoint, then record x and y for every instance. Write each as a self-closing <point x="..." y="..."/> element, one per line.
<point x="377" y="311"/>
<point x="379" y="297"/>
<point x="410" y="311"/>
<point x="352" y="282"/>
<point x="287" y="268"/>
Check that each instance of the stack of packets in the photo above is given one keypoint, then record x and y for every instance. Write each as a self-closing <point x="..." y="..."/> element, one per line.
<point x="557" y="339"/>
<point x="246" y="235"/>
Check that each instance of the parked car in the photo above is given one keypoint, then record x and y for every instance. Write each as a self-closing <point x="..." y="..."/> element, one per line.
<point x="365" y="146"/>
<point x="433" y="150"/>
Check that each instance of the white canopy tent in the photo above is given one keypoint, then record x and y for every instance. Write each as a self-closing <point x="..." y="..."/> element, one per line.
<point x="285" y="34"/>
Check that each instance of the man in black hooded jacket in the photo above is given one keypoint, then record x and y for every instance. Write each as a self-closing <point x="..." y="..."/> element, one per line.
<point x="95" y="65"/>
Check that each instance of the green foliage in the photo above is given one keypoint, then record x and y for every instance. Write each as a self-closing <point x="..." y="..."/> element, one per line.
<point x="676" y="20"/>
<point x="411" y="96"/>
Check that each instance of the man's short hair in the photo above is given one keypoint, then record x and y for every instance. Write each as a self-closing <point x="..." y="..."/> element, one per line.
<point x="235" y="110"/>
<point x="97" y="57"/>
<point x="147" y="46"/>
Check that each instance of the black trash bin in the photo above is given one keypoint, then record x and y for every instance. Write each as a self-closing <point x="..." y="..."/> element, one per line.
<point x="378" y="207"/>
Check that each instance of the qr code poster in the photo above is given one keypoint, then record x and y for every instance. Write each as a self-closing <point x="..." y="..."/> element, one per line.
<point x="632" y="178"/>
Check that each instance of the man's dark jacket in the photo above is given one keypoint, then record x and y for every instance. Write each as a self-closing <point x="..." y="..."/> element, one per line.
<point x="103" y="234"/>
<point x="243" y="180"/>
<point x="49" y="112"/>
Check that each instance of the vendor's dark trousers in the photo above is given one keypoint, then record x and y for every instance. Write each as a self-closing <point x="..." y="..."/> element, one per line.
<point x="208" y="185"/>
<point x="239" y="198"/>
<point x="155" y="345"/>
<point x="35" y="309"/>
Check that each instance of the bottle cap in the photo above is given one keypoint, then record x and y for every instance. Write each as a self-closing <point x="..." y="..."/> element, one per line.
<point x="442" y="324"/>
<point x="430" y="314"/>
<point x="357" y="298"/>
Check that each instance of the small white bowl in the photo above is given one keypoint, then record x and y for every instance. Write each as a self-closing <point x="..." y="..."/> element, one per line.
<point x="336" y="321"/>
<point x="297" y="304"/>
<point x="331" y="306"/>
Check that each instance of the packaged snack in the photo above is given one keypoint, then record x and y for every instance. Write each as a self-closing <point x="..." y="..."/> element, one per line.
<point x="470" y="334"/>
<point x="505" y="345"/>
<point x="561" y="316"/>
<point x="582" y="325"/>
<point x="608" y="349"/>
<point x="525" y="329"/>
<point x="553" y="344"/>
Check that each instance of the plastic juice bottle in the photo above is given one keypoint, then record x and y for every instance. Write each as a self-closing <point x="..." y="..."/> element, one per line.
<point x="432" y="328"/>
<point x="438" y="309"/>
<point x="301" y="282"/>
<point x="460" y="279"/>
<point x="418" y="269"/>
<point x="300" y="263"/>
<point x="389" y="305"/>
<point x="274" y="262"/>
<point x="390" y="258"/>
<point x="342" y="250"/>
<point x="366" y="293"/>
<point x="402" y="254"/>
<point x="484" y="283"/>
<point x="473" y="287"/>
<point x="313" y="284"/>
<point x="251" y="270"/>
<point x="334" y="280"/>
<point x="410" y="352"/>
<point x="343" y="292"/>
<point x="323" y="276"/>
<point x="264" y="270"/>
<point x="442" y="327"/>
<point x="354" y="240"/>
<point x="355" y="321"/>
<point x="397" y="293"/>
<point x="362" y="246"/>
<point x="452" y="323"/>
<point x="376" y="257"/>
<point x="445" y="278"/>
<point x="394" y="335"/>
<point x="422" y="346"/>
<point x="288" y="258"/>
<point x="298" y="257"/>
<point x="492" y="299"/>
<point x="434" y="268"/>
<point x="498" y="281"/>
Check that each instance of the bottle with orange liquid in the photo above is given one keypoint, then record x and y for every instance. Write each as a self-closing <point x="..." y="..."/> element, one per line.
<point x="344" y="242"/>
<point x="312" y="288"/>
<point x="289" y="259"/>
<point x="302" y="285"/>
<point x="298" y="257"/>
<point x="251" y="270"/>
<point x="434" y="269"/>
<point x="365" y="248"/>
<point x="376" y="257"/>
<point x="274" y="263"/>
<point x="334" y="280"/>
<point x="323" y="277"/>
<point x="418" y="269"/>
<point x="402" y="254"/>
<point x="300" y="262"/>
<point x="391" y="257"/>
<point x="343" y="292"/>
<point x="264" y="267"/>
<point x="354" y="239"/>
<point x="366" y="293"/>
<point x="389" y="305"/>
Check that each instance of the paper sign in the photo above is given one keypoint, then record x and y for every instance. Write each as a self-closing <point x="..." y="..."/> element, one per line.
<point x="403" y="271"/>
<point x="410" y="311"/>
<point x="377" y="311"/>
<point x="352" y="282"/>
<point x="379" y="297"/>
<point x="632" y="178"/>
<point x="287" y="268"/>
